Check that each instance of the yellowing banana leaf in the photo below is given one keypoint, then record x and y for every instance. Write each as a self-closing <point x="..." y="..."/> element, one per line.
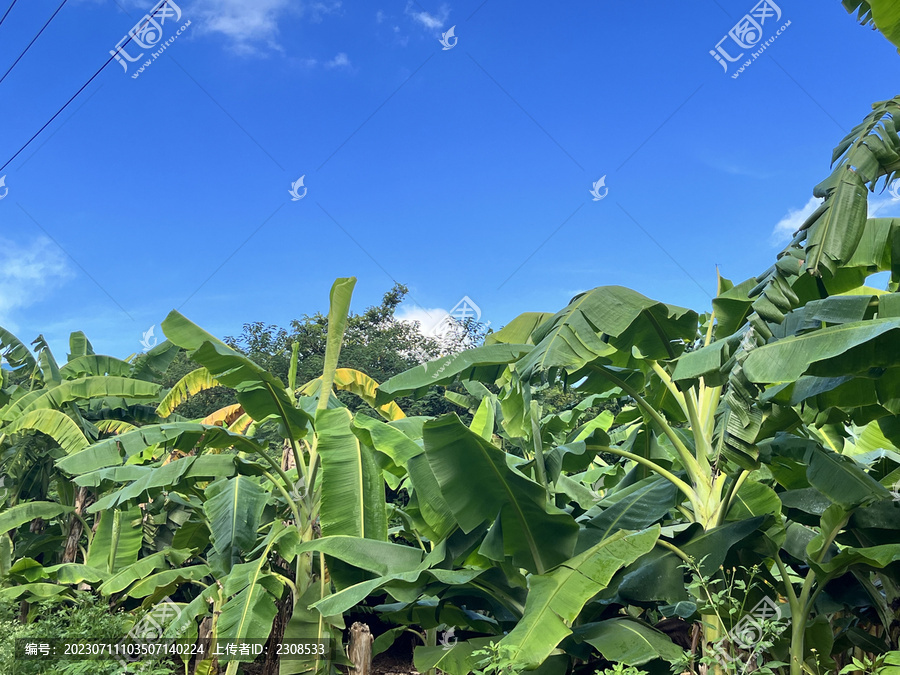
<point x="190" y="385"/>
<point x="224" y="416"/>
<point x="360" y="384"/>
<point x="261" y="394"/>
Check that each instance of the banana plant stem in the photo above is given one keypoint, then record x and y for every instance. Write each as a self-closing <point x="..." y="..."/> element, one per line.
<point x="668" y="475"/>
<point x="687" y="459"/>
<point x="287" y="498"/>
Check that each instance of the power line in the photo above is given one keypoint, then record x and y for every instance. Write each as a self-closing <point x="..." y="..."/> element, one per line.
<point x="33" y="40"/>
<point x="3" y="18"/>
<point x="65" y="105"/>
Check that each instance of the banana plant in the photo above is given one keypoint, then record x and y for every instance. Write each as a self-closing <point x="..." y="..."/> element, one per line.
<point x="48" y="412"/>
<point x="220" y="481"/>
<point x="883" y="14"/>
<point x="708" y="394"/>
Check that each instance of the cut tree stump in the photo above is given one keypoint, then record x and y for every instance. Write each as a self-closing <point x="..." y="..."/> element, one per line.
<point x="360" y="649"/>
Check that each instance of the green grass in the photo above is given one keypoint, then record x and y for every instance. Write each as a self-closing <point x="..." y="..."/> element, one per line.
<point x="85" y="618"/>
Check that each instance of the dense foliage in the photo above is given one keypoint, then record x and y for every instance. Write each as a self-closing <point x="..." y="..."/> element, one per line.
<point x="624" y="484"/>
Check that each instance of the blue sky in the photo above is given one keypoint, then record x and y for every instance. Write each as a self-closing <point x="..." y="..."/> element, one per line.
<point x="459" y="172"/>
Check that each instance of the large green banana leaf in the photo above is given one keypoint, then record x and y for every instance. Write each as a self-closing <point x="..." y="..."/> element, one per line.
<point x="168" y="477"/>
<point x="36" y="592"/>
<point x="628" y="641"/>
<point x="885" y="14"/>
<point x="481" y="489"/>
<point x="261" y="394"/>
<point x="870" y="557"/>
<point x="386" y="439"/>
<point x="141" y="569"/>
<point x="59" y="426"/>
<point x="184" y="436"/>
<point x="79" y="345"/>
<point x="483" y="364"/>
<point x="117" y="541"/>
<point x="840" y="478"/>
<point x="153" y="364"/>
<point x="601" y="321"/>
<point x="233" y="508"/>
<point x="843" y="480"/>
<point x="83" y="388"/>
<point x="151" y="584"/>
<point x="454" y="659"/>
<point x="76" y="573"/>
<point x="431" y="513"/>
<point x="833" y="237"/>
<point x="519" y="330"/>
<point x="379" y="557"/>
<point x="338" y="309"/>
<point x="15" y="351"/>
<point x="15" y="516"/>
<point x="400" y="569"/>
<point x="95" y="365"/>
<point x="753" y="499"/>
<point x="659" y="576"/>
<point x="404" y="586"/>
<point x="427" y="503"/>
<point x="838" y="350"/>
<point x="638" y="507"/>
<point x="352" y="488"/>
<point x="249" y="612"/>
<point x="557" y="597"/>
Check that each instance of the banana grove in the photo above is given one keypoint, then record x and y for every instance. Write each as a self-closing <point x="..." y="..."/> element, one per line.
<point x="737" y="509"/>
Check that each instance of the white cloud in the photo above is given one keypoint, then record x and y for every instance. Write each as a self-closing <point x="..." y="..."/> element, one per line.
<point x="430" y="320"/>
<point x="339" y="61"/>
<point x="28" y="273"/>
<point x="426" y="19"/>
<point x="786" y="227"/>
<point x="878" y="207"/>
<point x="250" y="25"/>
